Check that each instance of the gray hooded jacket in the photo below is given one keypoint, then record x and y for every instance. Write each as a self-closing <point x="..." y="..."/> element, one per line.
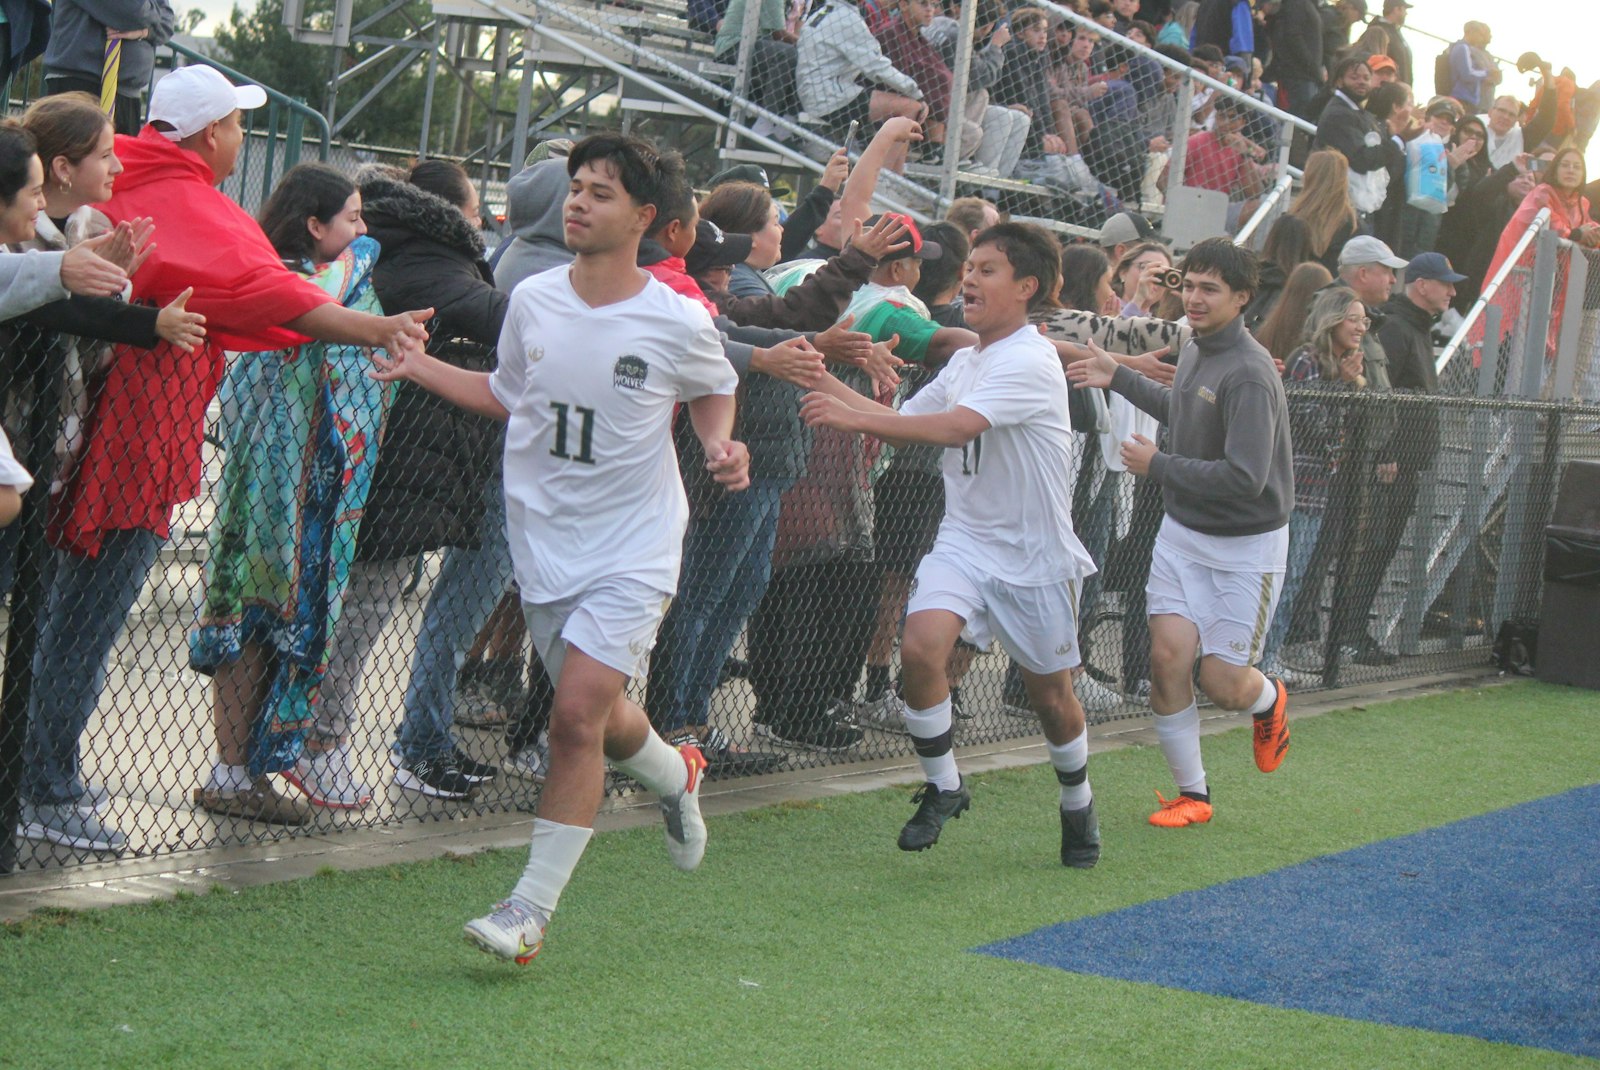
<point x="534" y="199"/>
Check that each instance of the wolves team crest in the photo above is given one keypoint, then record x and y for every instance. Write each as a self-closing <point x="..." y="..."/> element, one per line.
<point x="629" y="373"/>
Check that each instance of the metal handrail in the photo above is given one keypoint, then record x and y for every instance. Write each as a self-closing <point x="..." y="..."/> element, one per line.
<point x="296" y="107"/>
<point x="1457" y="340"/>
<point x="1280" y="190"/>
<point x="1408" y="28"/>
<point x="638" y="52"/>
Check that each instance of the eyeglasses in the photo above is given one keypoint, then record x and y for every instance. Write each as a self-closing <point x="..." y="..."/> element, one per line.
<point x="1363" y="322"/>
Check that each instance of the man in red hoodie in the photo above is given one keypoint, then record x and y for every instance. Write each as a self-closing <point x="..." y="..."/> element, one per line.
<point x="143" y="439"/>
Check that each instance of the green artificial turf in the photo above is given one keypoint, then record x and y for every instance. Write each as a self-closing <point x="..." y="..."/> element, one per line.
<point x="806" y="939"/>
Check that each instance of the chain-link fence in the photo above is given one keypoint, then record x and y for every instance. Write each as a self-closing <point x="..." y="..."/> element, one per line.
<point x="111" y="717"/>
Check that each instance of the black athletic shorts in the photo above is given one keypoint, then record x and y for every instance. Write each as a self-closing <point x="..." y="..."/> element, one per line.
<point x="907" y="506"/>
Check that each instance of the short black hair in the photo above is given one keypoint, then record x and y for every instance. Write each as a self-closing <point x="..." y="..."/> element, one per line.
<point x="676" y="203"/>
<point x="1032" y="252"/>
<point x="1235" y="265"/>
<point x="1176" y="53"/>
<point x="17" y="148"/>
<point x="1346" y="65"/>
<point x="643" y="171"/>
<point x="1208" y="54"/>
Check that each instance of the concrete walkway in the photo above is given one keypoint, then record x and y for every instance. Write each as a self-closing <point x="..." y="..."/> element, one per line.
<point x="99" y="884"/>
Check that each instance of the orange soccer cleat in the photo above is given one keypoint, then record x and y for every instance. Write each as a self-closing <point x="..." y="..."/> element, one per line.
<point x="1184" y="810"/>
<point x="1271" y="731"/>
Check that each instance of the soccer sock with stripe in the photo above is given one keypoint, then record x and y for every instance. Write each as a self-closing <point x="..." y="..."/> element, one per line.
<point x="553" y="854"/>
<point x="657" y="765"/>
<point x="1179" y="734"/>
<point x="1071" y="763"/>
<point x="1267" y="700"/>
<point x="931" y="735"/>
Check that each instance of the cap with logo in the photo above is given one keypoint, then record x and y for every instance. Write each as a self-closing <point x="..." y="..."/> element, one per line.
<point x="1125" y="227"/>
<point x="1380" y="62"/>
<point x="1435" y="266"/>
<point x="715" y="247"/>
<point x="1445" y="106"/>
<point x="1368" y="250"/>
<point x="191" y="98"/>
<point x="918" y="247"/>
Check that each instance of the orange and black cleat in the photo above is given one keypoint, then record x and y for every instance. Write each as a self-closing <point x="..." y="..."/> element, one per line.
<point x="1271" y="731"/>
<point x="1184" y="810"/>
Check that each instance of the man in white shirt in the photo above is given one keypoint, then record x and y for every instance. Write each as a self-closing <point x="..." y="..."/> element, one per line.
<point x="591" y="362"/>
<point x="1505" y="131"/>
<point x="1006" y="564"/>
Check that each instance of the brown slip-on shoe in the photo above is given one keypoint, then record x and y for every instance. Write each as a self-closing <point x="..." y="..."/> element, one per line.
<point x="259" y="802"/>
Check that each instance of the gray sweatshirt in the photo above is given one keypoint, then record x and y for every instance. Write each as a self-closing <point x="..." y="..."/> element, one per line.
<point x="1231" y="468"/>
<point x="28" y="280"/>
<point x="78" y="39"/>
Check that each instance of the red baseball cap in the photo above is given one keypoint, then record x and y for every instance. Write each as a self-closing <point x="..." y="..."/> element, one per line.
<point x="919" y="247"/>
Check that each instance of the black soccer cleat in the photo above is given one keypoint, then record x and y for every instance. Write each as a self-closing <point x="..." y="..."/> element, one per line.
<point x="934" y="808"/>
<point x="1080" y="837"/>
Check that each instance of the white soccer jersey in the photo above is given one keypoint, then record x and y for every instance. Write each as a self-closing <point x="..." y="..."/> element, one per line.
<point x="1008" y="492"/>
<point x="592" y="484"/>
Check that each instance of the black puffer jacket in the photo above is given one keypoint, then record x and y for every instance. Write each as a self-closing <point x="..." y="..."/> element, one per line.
<point x="435" y="458"/>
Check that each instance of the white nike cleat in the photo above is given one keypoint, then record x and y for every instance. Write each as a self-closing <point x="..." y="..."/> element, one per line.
<point x="686" y="829"/>
<point x="513" y="931"/>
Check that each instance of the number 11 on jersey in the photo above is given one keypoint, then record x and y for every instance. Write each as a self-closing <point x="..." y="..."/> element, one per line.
<point x="585" y="454"/>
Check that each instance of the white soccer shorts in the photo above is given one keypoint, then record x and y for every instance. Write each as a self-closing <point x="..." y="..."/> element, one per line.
<point x="1232" y="610"/>
<point x="615" y="623"/>
<point x="1037" y="626"/>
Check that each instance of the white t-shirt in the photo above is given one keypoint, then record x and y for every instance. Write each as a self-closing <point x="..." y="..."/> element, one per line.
<point x="1266" y="552"/>
<point x="1008" y="492"/>
<point x="12" y="474"/>
<point x="592" y="485"/>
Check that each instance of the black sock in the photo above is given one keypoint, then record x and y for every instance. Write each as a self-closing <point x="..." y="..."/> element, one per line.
<point x="877" y="680"/>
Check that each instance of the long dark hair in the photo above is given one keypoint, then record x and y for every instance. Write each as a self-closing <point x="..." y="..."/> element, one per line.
<point x="443" y="179"/>
<point x="309" y="190"/>
<point x="1082" y="268"/>
<point x="17" y="148"/>
<point x="1288" y="243"/>
<point x="1549" y="178"/>
<point x="738" y="207"/>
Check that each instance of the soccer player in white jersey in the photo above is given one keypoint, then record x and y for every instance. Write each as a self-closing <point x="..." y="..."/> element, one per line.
<point x="1006" y="564"/>
<point x="1227" y="484"/>
<point x="591" y="362"/>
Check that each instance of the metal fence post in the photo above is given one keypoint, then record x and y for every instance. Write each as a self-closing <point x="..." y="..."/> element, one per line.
<point x="956" y="120"/>
<point x="1565" y="380"/>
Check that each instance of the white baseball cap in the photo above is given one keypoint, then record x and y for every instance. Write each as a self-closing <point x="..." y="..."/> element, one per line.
<point x="192" y="98"/>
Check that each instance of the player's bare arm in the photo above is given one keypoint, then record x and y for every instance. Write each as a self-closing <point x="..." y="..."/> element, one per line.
<point x="950" y="429"/>
<point x="727" y="460"/>
<point x="467" y="389"/>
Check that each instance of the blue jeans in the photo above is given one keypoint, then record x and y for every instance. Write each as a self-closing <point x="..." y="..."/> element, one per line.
<point x="88" y="605"/>
<point x="727" y="561"/>
<point x="1303" y="531"/>
<point x="470" y="585"/>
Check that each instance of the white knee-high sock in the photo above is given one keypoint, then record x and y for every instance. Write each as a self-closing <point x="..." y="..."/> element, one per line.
<point x="657" y="765"/>
<point x="553" y="854"/>
<point x="1071" y="763"/>
<point x="1179" y="734"/>
<point x="1267" y="699"/>
<point x="931" y="736"/>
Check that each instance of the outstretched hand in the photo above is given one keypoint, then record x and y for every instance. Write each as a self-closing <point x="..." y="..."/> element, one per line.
<point x="842" y="345"/>
<point x="883" y="366"/>
<point x="1096" y="370"/>
<point x="793" y="360"/>
<point x="176" y="324"/>
<point x="1151" y="366"/>
<point x="402" y="347"/>
<point x="888" y="235"/>
<point x="728" y="461"/>
<point x="1136" y="454"/>
<point x="84" y="271"/>
<point x="824" y="410"/>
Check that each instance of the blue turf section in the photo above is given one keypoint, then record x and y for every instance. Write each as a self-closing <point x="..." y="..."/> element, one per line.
<point x="1488" y="927"/>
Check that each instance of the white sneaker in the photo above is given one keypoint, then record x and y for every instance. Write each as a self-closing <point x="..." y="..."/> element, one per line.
<point x="1094" y="696"/>
<point x="1082" y="178"/>
<point x="982" y="170"/>
<point x="326" y="780"/>
<point x="686" y="829"/>
<point x="886" y="713"/>
<point x="1293" y="678"/>
<point x="512" y="930"/>
<point x="1139" y="693"/>
<point x="531" y="762"/>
